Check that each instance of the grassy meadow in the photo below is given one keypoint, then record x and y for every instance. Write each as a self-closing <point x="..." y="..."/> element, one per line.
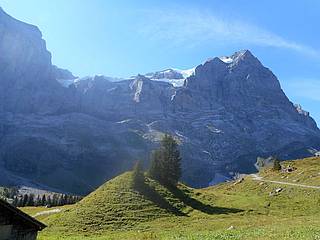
<point x="244" y="209"/>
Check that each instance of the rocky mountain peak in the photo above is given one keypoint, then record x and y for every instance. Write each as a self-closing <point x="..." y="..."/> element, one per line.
<point x="240" y="57"/>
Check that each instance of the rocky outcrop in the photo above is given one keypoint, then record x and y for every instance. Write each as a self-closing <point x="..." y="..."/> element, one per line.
<point x="72" y="133"/>
<point x="26" y="83"/>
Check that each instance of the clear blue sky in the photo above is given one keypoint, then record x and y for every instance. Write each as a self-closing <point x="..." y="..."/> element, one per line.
<point x="123" y="38"/>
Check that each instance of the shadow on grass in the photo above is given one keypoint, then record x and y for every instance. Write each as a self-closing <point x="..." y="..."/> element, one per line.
<point x="160" y="201"/>
<point x="196" y="204"/>
<point x="150" y="193"/>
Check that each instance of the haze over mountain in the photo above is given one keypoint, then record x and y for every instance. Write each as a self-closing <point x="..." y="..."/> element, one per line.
<point x="72" y="134"/>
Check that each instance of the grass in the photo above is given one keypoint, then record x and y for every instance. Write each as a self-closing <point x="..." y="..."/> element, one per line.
<point x="32" y="211"/>
<point x="116" y="211"/>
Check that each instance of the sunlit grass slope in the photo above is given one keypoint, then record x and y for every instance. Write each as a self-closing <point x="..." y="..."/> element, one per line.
<point x="246" y="209"/>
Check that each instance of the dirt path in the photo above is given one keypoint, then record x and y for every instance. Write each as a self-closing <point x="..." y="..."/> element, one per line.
<point x="255" y="177"/>
<point x="57" y="210"/>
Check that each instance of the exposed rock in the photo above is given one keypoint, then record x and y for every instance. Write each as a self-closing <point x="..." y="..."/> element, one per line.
<point x="288" y="169"/>
<point x="62" y="74"/>
<point x="238" y="181"/>
<point x="231" y="228"/>
<point x="75" y="136"/>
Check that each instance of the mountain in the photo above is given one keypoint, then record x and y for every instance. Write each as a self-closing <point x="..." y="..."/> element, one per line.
<point x="58" y="131"/>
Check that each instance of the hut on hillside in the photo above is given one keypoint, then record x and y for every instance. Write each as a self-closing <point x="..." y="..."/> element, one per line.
<point x="17" y="225"/>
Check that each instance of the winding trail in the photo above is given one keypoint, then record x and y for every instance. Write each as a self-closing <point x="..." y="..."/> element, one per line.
<point x="57" y="210"/>
<point x="255" y="177"/>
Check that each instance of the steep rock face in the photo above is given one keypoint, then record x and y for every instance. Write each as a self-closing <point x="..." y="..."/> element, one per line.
<point x="243" y="81"/>
<point x="72" y="134"/>
<point x="24" y="57"/>
<point x="62" y="74"/>
<point x="27" y="83"/>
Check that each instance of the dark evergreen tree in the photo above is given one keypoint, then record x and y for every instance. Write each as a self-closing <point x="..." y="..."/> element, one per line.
<point x="37" y="201"/>
<point x="43" y="200"/>
<point x="25" y="200"/>
<point x="137" y="175"/>
<point x="30" y="200"/>
<point x="55" y="200"/>
<point x="166" y="162"/>
<point x="65" y="199"/>
<point x="49" y="202"/>
<point x="276" y="165"/>
<point x="155" y="169"/>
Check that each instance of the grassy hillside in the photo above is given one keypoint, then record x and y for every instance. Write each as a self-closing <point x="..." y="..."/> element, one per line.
<point x="245" y="209"/>
<point x="117" y="206"/>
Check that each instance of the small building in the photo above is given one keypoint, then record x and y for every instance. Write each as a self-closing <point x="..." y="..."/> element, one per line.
<point x="317" y="154"/>
<point x="17" y="225"/>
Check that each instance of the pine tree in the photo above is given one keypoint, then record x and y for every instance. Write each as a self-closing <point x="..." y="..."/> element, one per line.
<point x="65" y="199"/>
<point x="155" y="169"/>
<point x="137" y="175"/>
<point x="166" y="162"/>
<point x="55" y="200"/>
<point x="49" y="202"/>
<point x="25" y="200"/>
<point x="43" y="200"/>
<point x="37" y="201"/>
<point x="276" y="165"/>
<point x="30" y="200"/>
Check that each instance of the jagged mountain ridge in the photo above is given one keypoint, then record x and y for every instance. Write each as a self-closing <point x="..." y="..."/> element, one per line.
<point x="74" y="136"/>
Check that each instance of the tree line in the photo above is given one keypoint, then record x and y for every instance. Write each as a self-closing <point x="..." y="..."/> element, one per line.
<point x="45" y="200"/>
<point x="52" y="200"/>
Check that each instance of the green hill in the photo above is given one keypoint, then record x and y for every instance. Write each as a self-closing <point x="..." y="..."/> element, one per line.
<point x="276" y="205"/>
<point x="117" y="205"/>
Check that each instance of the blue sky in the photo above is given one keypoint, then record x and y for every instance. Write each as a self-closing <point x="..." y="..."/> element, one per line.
<point x="123" y="38"/>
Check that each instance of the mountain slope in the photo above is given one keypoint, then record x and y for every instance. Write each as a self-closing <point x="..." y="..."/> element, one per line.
<point x="56" y="130"/>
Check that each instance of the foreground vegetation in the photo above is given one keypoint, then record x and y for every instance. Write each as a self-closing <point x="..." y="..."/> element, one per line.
<point x="245" y="209"/>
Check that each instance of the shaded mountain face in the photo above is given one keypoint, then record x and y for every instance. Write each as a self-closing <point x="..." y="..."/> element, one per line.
<point x="62" y="132"/>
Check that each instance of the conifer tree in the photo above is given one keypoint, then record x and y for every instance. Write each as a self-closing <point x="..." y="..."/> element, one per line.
<point x="155" y="169"/>
<point x="30" y="200"/>
<point x="49" y="202"/>
<point x="166" y="162"/>
<point x="43" y="200"/>
<point x="276" y="165"/>
<point x="25" y="200"/>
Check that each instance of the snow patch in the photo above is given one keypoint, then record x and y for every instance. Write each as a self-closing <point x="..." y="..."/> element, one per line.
<point x="174" y="82"/>
<point x="67" y="82"/>
<point x="226" y="59"/>
<point x="185" y="73"/>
